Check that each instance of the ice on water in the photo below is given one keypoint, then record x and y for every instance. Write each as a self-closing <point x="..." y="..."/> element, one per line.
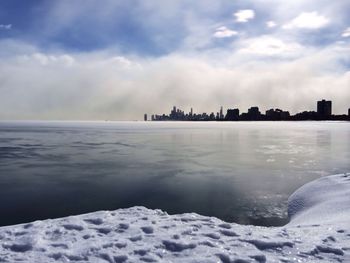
<point x="318" y="232"/>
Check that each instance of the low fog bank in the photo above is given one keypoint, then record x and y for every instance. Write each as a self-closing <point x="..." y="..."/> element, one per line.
<point x="101" y="85"/>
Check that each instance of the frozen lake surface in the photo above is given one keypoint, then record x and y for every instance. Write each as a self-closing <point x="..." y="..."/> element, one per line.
<point x="240" y="172"/>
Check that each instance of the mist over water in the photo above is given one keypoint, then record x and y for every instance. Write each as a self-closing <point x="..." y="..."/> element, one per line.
<point x="240" y="172"/>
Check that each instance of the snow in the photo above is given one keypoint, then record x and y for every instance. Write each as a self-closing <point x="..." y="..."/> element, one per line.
<point x="323" y="201"/>
<point x="318" y="232"/>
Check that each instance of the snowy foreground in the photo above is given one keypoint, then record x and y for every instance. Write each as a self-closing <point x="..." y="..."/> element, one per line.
<point x="319" y="231"/>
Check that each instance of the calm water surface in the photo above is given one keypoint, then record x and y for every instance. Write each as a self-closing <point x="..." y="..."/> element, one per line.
<point x="240" y="172"/>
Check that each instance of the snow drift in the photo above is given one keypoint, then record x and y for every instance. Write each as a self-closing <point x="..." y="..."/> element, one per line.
<point x="325" y="200"/>
<point x="318" y="232"/>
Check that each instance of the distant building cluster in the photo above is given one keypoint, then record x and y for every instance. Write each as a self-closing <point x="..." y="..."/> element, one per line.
<point x="324" y="112"/>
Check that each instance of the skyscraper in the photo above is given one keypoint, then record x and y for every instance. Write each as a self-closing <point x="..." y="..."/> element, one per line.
<point x="324" y="108"/>
<point x="254" y="113"/>
<point x="145" y="117"/>
<point x="173" y="113"/>
<point x="232" y="115"/>
<point x="221" y="113"/>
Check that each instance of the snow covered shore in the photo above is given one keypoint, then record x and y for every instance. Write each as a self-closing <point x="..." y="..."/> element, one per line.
<point x="319" y="231"/>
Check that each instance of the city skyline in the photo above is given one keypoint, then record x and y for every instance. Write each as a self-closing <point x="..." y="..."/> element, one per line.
<point x="323" y="112"/>
<point x="113" y="59"/>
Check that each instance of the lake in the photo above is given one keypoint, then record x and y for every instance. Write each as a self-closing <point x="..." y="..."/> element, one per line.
<point x="238" y="171"/>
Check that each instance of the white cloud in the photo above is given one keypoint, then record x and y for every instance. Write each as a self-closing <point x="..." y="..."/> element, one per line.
<point x="46" y="60"/>
<point x="224" y="32"/>
<point x="346" y="32"/>
<point x="6" y="27"/>
<point x="117" y="62"/>
<point x="106" y="85"/>
<point x="100" y="90"/>
<point x="270" y="46"/>
<point x="124" y="62"/>
<point x="271" y="24"/>
<point x="243" y="16"/>
<point x="308" y="20"/>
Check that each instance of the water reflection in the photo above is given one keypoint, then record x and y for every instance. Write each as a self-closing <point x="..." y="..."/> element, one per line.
<point x="240" y="172"/>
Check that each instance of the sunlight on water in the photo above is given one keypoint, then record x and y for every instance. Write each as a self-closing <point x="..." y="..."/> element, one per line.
<point x="240" y="172"/>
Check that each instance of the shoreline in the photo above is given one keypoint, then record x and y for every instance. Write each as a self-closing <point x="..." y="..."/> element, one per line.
<point x="318" y="232"/>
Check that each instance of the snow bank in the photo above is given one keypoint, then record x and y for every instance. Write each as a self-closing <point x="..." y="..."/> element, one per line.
<point x="325" y="200"/>
<point x="318" y="232"/>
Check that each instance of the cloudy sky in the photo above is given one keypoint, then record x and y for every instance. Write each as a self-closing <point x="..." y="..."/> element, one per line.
<point x="116" y="59"/>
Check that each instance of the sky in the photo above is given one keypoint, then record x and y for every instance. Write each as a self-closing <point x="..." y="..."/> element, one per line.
<point x="116" y="60"/>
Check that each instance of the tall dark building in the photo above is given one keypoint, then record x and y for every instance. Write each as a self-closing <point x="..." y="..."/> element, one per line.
<point x="221" y="113"/>
<point x="349" y="112"/>
<point x="324" y="108"/>
<point x="232" y="114"/>
<point x="145" y="117"/>
<point x="173" y="113"/>
<point x="254" y="113"/>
